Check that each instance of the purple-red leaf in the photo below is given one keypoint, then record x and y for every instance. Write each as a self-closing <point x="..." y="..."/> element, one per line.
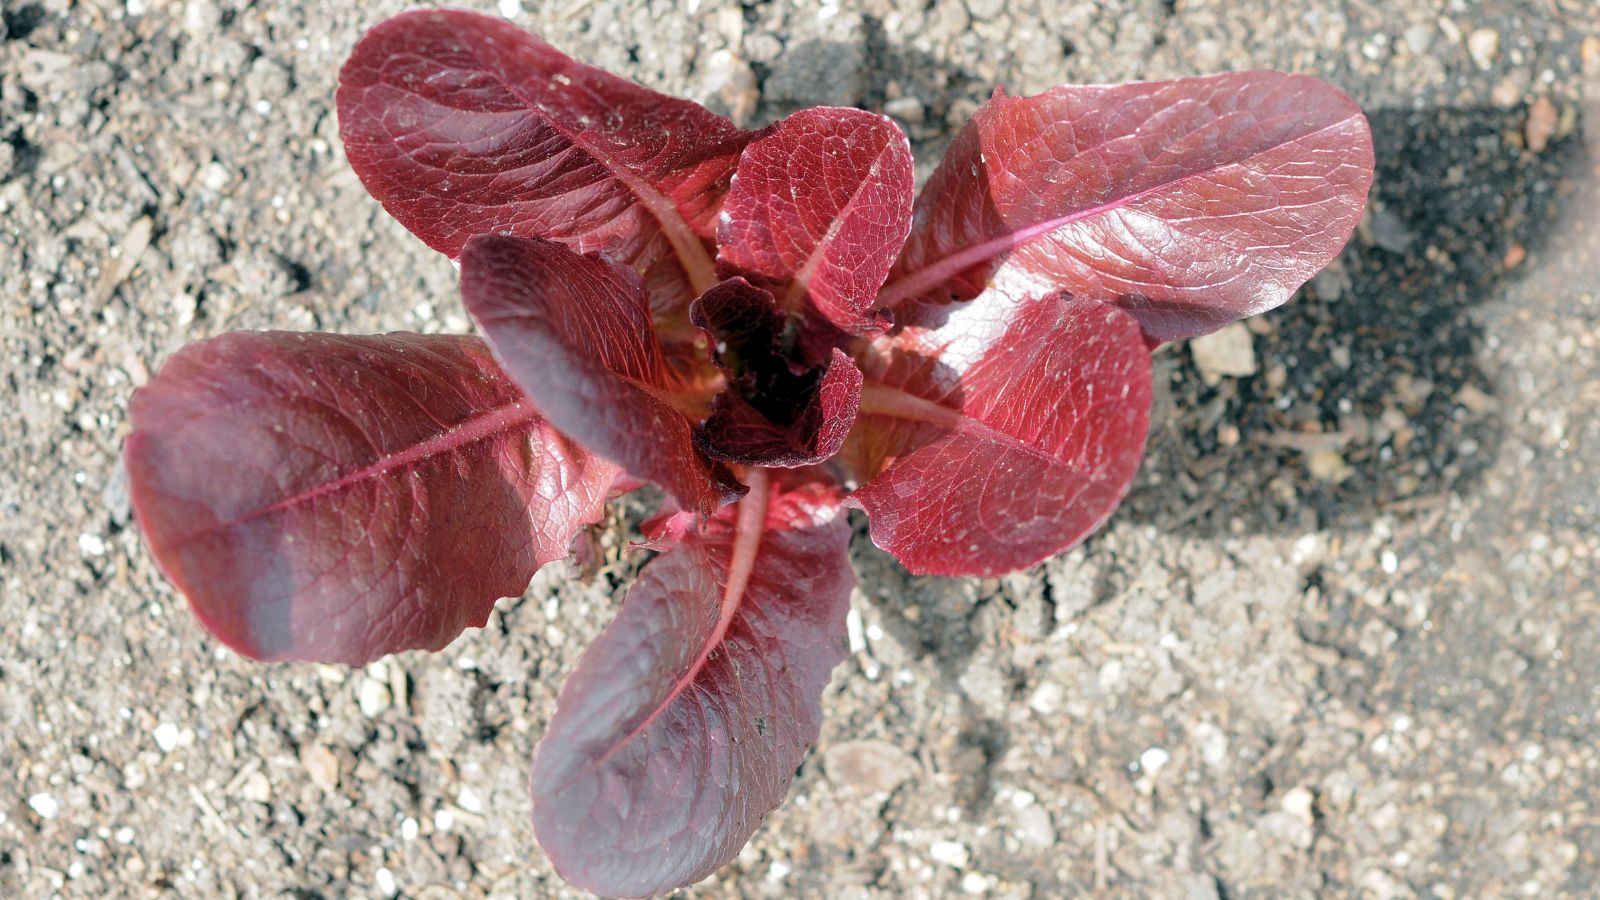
<point x="1191" y="203"/>
<point x="820" y="207"/>
<point x="319" y="497"/>
<point x="575" y="333"/>
<point x="776" y="410"/>
<point x="463" y="124"/>
<point x="739" y="432"/>
<point x="1008" y="432"/>
<point x="684" y="722"/>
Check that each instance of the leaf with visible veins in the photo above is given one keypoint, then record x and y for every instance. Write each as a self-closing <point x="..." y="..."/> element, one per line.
<point x="818" y="209"/>
<point x="329" y="498"/>
<point x="1192" y="203"/>
<point x="1002" y="435"/>
<point x="575" y="333"/>
<point x="464" y="124"/>
<point x="683" y="723"/>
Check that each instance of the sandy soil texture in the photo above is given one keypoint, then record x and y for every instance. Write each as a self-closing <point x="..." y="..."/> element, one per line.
<point x="1344" y="638"/>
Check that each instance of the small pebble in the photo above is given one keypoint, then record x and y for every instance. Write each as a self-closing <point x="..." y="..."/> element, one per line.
<point x="45" y="805"/>
<point x="166" y="735"/>
<point x="950" y="853"/>
<point x="906" y="109"/>
<point x="1228" y="353"/>
<point x="383" y="878"/>
<point x="868" y="767"/>
<point x="1327" y="465"/>
<point x="372" y="697"/>
<point x="1484" y="46"/>
<point x="1541" y="126"/>
<point x="256" y="788"/>
<point x="321" y="765"/>
<point x="1154" y="760"/>
<point x="91" y="544"/>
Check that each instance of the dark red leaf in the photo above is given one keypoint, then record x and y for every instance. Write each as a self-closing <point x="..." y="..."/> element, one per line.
<point x="1008" y="432"/>
<point x="1192" y="203"/>
<point x="739" y="432"/>
<point x="319" y="497"/>
<point x="683" y="723"/>
<point x="575" y="333"/>
<point x="463" y="124"/>
<point x="819" y="208"/>
<point x="776" y="410"/>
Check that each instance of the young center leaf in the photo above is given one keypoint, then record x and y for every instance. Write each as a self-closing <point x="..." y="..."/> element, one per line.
<point x="1192" y="203"/>
<point x="463" y="124"/>
<point x="774" y="411"/>
<point x="819" y="208"/>
<point x="683" y="724"/>
<point x="330" y="498"/>
<point x="1002" y="436"/>
<point x="575" y="333"/>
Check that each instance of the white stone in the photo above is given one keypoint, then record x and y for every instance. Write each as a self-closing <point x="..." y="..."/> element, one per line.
<point x="1154" y="759"/>
<point x="950" y="853"/>
<point x="372" y="697"/>
<point x="1228" y="353"/>
<point x="166" y="735"/>
<point x="45" y="805"/>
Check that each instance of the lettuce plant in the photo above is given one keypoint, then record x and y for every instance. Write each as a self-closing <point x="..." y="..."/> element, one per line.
<point x="764" y="324"/>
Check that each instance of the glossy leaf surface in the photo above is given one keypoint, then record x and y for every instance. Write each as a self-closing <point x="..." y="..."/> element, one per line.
<point x="575" y="333"/>
<point x="319" y="497"/>
<point x="684" y="722"/>
<point x="819" y="208"/>
<point x="1192" y="203"/>
<point x="464" y="124"/>
<point x="1004" y="434"/>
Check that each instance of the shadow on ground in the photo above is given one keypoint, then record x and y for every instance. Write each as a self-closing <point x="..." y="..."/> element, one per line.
<point x="1370" y="397"/>
<point x="1375" y="366"/>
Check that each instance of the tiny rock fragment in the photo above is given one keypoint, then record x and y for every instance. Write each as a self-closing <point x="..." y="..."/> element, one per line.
<point x="166" y="737"/>
<point x="373" y="697"/>
<point x="1327" y="465"/>
<point x="45" y="805"/>
<point x="255" y="788"/>
<point x="1228" y="353"/>
<point x="906" y="109"/>
<point x="1515" y="255"/>
<point x="1541" y="125"/>
<point x="1298" y="802"/>
<point x="321" y="765"/>
<point x="868" y="767"/>
<point x="1590" y="54"/>
<point x="1484" y="45"/>
<point x="1154" y="759"/>
<point x="1033" y="826"/>
<point x="950" y="853"/>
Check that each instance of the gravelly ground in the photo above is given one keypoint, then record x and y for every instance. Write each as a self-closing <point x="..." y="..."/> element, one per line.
<point x="1344" y="639"/>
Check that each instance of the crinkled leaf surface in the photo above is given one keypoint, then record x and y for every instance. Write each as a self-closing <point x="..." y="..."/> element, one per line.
<point x="463" y="124"/>
<point x="740" y="432"/>
<point x="684" y="722"/>
<point x="776" y="411"/>
<point x="1004" y="435"/>
<point x="1192" y="203"/>
<point x="820" y="207"/>
<point x="575" y="333"/>
<point x="320" y="497"/>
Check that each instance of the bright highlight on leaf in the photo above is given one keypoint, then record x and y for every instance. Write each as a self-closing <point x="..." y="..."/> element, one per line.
<point x="761" y="323"/>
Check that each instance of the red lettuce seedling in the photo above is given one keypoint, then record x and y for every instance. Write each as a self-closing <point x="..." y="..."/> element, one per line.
<point x="763" y="324"/>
